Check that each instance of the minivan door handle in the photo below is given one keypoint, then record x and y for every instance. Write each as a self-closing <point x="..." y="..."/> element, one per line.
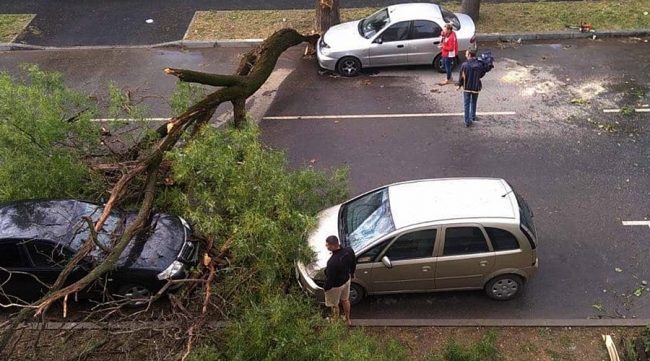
<point x="483" y="263"/>
<point x="400" y="46"/>
<point x="426" y="268"/>
<point x="436" y="42"/>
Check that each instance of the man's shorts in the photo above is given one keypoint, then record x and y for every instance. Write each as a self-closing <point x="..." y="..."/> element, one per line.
<point x="337" y="294"/>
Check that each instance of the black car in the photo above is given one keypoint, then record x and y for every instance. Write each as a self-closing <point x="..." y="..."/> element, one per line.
<point x="37" y="239"/>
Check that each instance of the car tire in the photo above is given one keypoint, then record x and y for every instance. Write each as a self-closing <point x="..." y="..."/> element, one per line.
<point x="348" y="66"/>
<point x="357" y="293"/>
<point x="135" y="291"/>
<point x="439" y="64"/>
<point x="504" y="287"/>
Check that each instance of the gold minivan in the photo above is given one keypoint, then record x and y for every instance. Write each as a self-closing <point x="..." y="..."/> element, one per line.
<point x="430" y="235"/>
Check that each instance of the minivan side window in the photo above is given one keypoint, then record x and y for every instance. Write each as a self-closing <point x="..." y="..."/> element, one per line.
<point x="501" y="239"/>
<point x="464" y="240"/>
<point x="418" y="244"/>
<point x="371" y="254"/>
<point x="10" y="255"/>
<point x="396" y="32"/>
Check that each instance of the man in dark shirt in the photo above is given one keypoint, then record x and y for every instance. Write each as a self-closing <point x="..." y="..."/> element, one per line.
<point x="339" y="273"/>
<point x="469" y="80"/>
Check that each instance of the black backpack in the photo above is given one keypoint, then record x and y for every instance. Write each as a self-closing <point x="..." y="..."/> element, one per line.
<point x="487" y="61"/>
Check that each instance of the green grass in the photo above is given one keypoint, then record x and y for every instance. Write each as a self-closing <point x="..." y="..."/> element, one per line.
<point x="507" y="17"/>
<point x="13" y="24"/>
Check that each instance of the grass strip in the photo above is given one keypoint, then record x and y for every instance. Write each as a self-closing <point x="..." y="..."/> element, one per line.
<point x="13" y="24"/>
<point x="505" y="17"/>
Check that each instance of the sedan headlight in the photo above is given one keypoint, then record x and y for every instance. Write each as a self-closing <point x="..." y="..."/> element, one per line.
<point x="323" y="44"/>
<point x="175" y="268"/>
<point x="312" y="269"/>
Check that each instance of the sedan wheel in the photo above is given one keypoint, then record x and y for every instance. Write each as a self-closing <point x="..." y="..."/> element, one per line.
<point x="439" y="63"/>
<point x="504" y="287"/>
<point x="348" y="66"/>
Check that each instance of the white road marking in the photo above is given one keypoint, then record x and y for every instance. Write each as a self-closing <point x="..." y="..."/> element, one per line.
<point x="129" y="119"/>
<point x="366" y="116"/>
<point x="637" y="110"/>
<point x="636" y="223"/>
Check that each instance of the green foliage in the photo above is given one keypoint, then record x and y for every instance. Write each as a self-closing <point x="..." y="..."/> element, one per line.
<point x="285" y="328"/>
<point x="484" y="350"/>
<point x="185" y="95"/>
<point x="235" y="190"/>
<point x="45" y="132"/>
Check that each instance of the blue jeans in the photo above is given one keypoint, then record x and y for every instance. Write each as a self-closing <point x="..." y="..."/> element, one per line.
<point x="448" y="65"/>
<point x="470" y="106"/>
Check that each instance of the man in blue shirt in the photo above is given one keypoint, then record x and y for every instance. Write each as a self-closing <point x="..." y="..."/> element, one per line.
<point x="469" y="80"/>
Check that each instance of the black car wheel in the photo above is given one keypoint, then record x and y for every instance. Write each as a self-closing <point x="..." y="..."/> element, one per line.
<point x="356" y="293"/>
<point x="504" y="287"/>
<point x="138" y="294"/>
<point x="348" y="66"/>
<point x="439" y="63"/>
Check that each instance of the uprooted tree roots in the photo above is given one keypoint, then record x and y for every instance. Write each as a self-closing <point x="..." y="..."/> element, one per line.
<point x="254" y="69"/>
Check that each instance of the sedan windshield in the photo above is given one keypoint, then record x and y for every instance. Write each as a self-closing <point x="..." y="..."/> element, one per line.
<point x="367" y="218"/>
<point x="369" y="26"/>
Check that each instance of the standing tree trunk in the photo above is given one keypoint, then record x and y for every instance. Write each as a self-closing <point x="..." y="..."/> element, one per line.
<point x="471" y="8"/>
<point x="327" y="15"/>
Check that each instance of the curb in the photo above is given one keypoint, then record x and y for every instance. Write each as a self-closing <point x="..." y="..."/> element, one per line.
<point x="127" y="325"/>
<point x="610" y="322"/>
<point x="241" y="43"/>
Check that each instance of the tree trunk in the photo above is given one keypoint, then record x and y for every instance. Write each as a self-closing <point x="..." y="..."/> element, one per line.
<point x="327" y="15"/>
<point x="471" y="8"/>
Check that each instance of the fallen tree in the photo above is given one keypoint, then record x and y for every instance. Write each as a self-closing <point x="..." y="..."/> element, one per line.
<point x="255" y="67"/>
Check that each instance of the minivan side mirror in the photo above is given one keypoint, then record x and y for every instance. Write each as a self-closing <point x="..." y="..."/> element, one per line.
<point x="379" y="40"/>
<point x="386" y="261"/>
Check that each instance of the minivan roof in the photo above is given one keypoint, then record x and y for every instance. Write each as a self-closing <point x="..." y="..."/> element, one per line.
<point x="433" y="200"/>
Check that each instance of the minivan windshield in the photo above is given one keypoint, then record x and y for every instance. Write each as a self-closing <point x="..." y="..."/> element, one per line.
<point x="369" y="26"/>
<point x="526" y="215"/>
<point x="365" y="219"/>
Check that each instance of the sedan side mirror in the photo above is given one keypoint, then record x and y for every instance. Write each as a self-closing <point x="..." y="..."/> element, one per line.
<point x="379" y="40"/>
<point x="386" y="261"/>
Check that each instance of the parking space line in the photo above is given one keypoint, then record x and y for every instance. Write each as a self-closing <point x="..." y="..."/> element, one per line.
<point x="367" y="116"/>
<point x="636" y="223"/>
<point x="638" y="110"/>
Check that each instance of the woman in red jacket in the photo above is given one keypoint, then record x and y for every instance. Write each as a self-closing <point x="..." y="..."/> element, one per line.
<point x="449" y="48"/>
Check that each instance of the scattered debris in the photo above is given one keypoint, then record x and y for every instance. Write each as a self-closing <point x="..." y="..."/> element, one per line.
<point x="611" y="348"/>
<point x="615" y="269"/>
<point x="149" y="21"/>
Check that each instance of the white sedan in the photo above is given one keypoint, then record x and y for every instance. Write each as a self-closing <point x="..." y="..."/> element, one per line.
<point x="405" y="34"/>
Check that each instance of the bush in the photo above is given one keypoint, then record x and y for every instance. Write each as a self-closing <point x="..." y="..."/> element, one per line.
<point x="236" y="191"/>
<point x="286" y="328"/>
<point x="484" y="350"/>
<point x="45" y="133"/>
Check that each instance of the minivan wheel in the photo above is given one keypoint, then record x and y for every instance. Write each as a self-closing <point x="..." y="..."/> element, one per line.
<point x="348" y="66"/>
<point x="138" y="293"/>
<point x="356" y="293"/>
<point x="505" y="287"/>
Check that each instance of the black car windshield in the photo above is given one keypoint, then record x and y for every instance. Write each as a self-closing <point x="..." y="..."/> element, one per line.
<point x="450" y="18"/>
<point x="367" y="218"/>
<point x="369" y="26"/>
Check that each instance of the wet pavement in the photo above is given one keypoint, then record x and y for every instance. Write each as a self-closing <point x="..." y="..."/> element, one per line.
<point x="583" y="171"/>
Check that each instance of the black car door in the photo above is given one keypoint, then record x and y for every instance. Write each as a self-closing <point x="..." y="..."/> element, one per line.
<point x="17" y="282"/>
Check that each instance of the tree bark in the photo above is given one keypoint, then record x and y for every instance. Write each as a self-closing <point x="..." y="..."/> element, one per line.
<point x="471" y="8"/>
<point x="327" y="15"/>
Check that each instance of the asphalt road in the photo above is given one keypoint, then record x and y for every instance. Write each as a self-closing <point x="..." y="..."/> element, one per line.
<point x="580" y="180"/>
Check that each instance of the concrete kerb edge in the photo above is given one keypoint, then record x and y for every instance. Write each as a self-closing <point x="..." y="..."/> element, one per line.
<point x="60" y="326"/>
<point x="239" y="43"/>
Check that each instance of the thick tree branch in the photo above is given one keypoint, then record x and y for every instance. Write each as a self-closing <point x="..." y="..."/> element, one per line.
<point x="191" y="76"/>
